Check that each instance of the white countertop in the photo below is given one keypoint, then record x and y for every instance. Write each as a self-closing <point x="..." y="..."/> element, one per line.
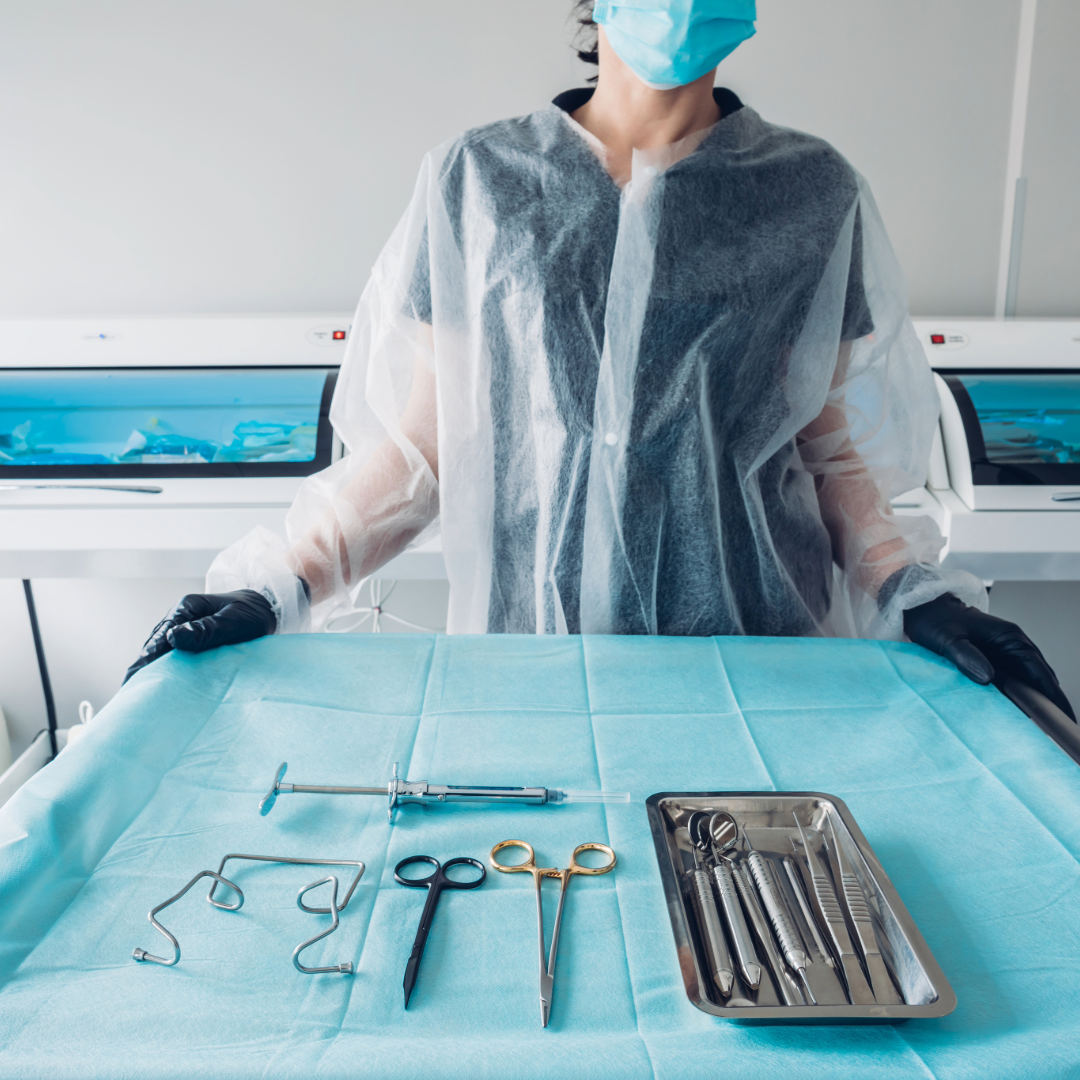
<point x="59" y="533"/>
<point x="82" y="532"/>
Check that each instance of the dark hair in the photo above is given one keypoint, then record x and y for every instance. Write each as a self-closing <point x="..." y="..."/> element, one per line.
<point x="585" y="40"/>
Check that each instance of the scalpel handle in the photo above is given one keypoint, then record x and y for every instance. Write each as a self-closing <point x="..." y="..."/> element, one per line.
<point x="712" y="932"/>
<point x="740" y="932"/>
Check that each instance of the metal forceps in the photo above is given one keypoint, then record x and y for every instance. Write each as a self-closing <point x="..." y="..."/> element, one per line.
<point x="435" y="882"/>
<point x="547" y="964"/>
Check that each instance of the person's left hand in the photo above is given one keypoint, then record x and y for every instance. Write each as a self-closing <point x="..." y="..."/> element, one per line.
<point x="984" y="647"/>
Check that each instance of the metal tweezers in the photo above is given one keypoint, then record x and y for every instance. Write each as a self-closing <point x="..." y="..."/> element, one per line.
<point x="345" y="969"/>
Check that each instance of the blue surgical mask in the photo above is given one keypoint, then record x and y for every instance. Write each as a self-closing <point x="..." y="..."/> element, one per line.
<point x="669" y="43"/>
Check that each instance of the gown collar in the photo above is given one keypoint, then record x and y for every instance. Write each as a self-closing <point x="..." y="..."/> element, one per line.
<point x="661" y="158"/>
<point x="571" y="100"/>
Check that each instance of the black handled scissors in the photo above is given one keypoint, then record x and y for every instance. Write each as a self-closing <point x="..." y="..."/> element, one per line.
<point x="435" y="882"/>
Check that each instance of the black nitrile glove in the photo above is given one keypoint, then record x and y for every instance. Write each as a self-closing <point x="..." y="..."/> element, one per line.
<point x="205" y="621"/>
<point x="984" y="647"/>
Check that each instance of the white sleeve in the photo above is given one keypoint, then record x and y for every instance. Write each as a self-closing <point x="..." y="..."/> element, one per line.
<point x="383" y="496"/>
<point x="871" y="443"/>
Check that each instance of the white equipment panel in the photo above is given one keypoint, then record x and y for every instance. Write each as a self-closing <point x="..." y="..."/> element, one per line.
<point x="1027" y="531"/>
<point x="73" y="529"/>
<point x="76" y="528"/>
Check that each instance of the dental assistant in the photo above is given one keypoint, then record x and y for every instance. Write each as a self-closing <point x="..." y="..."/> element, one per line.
<point x="644" y="360"/>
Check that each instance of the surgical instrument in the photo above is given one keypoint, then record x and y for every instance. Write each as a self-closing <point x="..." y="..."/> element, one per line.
<point x="797" y="888"/>
<point x="143" y="956"/>
<point x="344" y="968"/>
<point x="705" y="907"/>
<point x="882" y="985"/>
<point x="750" y="901"/>
<point x="400" y="792"/>
<point x="295" y="862"/>
<point x="723" y="832"/>
<point x="712" y="934"/>
<point x="435" y="882"/>
<point x="694" y="824"/>
<point x="547" y="966"/>
<point x="708" y="919"/>
<point x="857" y="987"/>
<point x="786" y="934"/>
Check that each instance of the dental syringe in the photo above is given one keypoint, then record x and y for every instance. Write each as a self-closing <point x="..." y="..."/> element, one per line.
<point x="422" y="793"/>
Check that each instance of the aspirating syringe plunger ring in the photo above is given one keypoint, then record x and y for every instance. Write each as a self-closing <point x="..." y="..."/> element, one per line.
<point x="420" y="792"/>
<point x="278" y="788"/>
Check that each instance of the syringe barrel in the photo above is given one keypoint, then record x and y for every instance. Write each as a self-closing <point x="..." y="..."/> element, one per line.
<point x="561" y="795"/>
<point x="424" y="793"/>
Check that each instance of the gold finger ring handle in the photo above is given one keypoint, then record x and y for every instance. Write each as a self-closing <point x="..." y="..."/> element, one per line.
<point x="529" y="864"/>
<point x="577" y="868"/>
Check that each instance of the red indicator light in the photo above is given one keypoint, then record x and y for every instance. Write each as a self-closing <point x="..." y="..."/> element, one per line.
<point x="935" y="339"/>
<point x="339" y="335"/>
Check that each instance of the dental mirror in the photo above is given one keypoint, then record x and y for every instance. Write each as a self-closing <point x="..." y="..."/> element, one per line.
<point x="697" y="827"/>
<point x="722" y="831"/>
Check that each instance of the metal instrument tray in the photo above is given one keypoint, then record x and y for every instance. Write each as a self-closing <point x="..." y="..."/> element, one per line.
<point x="766" y="818"/>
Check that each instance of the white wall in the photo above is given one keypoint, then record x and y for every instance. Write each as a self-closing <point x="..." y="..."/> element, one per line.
<point x="1050" y="260"/>
<point x="237" y="155"/>
<point x="916" y="94"/>
<point x="189" y="156"/>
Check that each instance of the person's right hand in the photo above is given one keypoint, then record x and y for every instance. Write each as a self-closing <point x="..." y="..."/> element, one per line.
<point x="204" y="621"/>
<point x="984" y="647"/>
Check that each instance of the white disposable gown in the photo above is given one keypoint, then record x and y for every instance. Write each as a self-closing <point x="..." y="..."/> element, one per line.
<point x="676" y="406"/>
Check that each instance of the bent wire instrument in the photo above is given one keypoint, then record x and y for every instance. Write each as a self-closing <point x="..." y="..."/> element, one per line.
<point x="547" y="964"/>
<point x="218" y="879"/>
<point x="400" y="792"/>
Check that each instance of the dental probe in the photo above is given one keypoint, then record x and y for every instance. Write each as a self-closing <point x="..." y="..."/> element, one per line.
<point x="804" y="905"/>
<point x="786" y="935"/>
<point x="420" y="792"/>
<point x="785" y="985"/>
